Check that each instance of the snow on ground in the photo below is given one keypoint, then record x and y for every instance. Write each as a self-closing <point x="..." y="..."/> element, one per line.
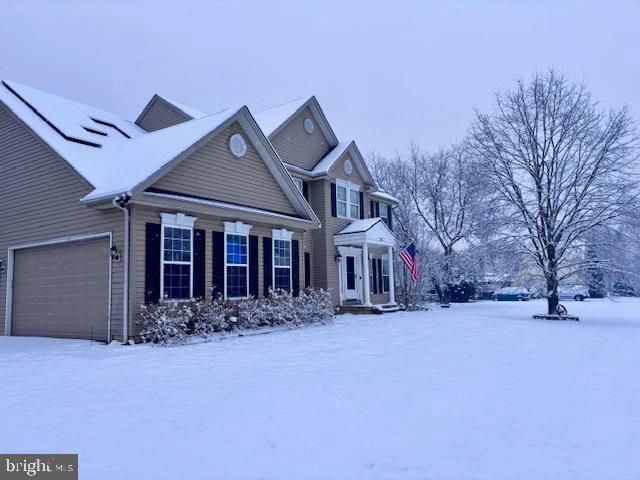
<point x="477" y="391"/>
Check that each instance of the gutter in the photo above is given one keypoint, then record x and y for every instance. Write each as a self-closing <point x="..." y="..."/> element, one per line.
<point x="120" y="202"/>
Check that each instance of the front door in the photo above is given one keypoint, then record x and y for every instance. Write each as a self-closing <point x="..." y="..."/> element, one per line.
<point x="351" y="277"/>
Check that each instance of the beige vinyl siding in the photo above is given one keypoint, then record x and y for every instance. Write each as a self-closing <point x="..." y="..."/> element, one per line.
<point x="143" y="215"/>
<point x="40" y="197"/>
<point x="160" y="114"/>
<point x="213" y="172"/>
<point x="299" y="148"/>
<point x="337" y="171"/>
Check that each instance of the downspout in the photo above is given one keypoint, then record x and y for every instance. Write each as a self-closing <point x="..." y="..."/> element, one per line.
<point x="120" y="202"/>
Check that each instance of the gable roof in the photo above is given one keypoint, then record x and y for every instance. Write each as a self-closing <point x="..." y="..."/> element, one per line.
<point x="116" y="156"/>
<point x="185" y="111"/>
<point x="273" y="119"/>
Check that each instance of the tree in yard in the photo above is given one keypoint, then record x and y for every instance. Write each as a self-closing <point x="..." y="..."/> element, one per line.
<point x="561" y="168"/>
<point x="442" y="198"/>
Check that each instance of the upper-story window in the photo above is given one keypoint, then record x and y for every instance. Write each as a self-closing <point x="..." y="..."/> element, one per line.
<point x="177" y="256"/>
<point x="348" y="200"/>
<point x="384" y="213"/>
<point x="298" y="183"/>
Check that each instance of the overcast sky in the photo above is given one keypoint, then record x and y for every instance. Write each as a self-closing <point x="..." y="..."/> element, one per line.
<point x="386" y="73"/>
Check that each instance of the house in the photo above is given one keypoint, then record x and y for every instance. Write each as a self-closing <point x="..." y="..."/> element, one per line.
<point x="101" y="215"/>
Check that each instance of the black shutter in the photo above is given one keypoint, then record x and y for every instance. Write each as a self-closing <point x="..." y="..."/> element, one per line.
<point x="198" y="263"/>
<point x="305" y="190"/>
<point x="253" y="265"/>
<point x="268" y="261"/>
<point x="334" y="205"/>
<point x="307" y="269"/>
<point x="361" y="204"/>
<point x="152" y="263"/>
<point x="295" y="268"/>
<point x="377" y="209"/>
<point x="374" y="270"/>
<point x="217" y="279"/>
<point x="372" y="209"/>
<point x="380" y="275"/>
<point x="390" y="216"/>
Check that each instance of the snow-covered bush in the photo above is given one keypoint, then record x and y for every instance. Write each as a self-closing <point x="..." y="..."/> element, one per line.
<point x="172" y="323"/>
<point x="166" y="323"/>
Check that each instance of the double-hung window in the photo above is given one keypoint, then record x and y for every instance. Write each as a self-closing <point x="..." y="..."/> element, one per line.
<point x="348" y="200"/>
<point x="236" y="259"/>
<point x="177" y="256"/>
<point x="384" y="213"/>
<point x="282" y="259"/>
<point x="385" y="274"/>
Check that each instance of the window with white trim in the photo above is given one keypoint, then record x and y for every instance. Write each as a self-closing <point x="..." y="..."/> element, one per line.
<point x="385" y="274"/>
<point x="298" y="184"/>
<point x="177" y="256"/>
<point x="282" y="265"/>
<point x="348" y="200"/>
<point x="236" y="256"/>
<point x="282" y="259"/>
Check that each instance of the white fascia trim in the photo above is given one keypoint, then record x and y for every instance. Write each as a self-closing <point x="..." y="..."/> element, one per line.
<point x="281" y="234"/>
<point x="178" y="219"/>
<point x="239" y="228"/>
<point x="229" y="206"/>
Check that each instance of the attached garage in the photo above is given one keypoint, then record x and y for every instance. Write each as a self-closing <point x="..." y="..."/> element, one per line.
<point x="62" y="290"/>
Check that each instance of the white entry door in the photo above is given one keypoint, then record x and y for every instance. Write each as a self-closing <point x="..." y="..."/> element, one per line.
<point x="351" y="273"/>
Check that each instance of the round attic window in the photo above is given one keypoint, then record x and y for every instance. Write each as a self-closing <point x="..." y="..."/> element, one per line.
<point x="237" y="145"/>
<point x="309" y="127"/>
<point x="348" y="168"/>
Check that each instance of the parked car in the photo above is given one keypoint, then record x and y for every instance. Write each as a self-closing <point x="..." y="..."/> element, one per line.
<point x="512" y="294"/>
<point x="573" y="292"/>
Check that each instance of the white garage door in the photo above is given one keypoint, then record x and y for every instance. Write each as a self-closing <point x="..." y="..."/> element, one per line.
<point x="62" y="290"/>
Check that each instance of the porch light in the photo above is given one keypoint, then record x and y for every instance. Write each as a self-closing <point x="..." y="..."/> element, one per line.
<point x="337" y="257"/>
<point x="1" y="267"/>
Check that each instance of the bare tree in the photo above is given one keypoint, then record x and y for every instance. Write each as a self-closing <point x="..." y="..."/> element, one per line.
<point x="561" y="167"/>
<point x="441" y="194"/>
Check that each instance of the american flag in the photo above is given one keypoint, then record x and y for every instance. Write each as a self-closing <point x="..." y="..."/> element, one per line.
<point x="408" y="256"/>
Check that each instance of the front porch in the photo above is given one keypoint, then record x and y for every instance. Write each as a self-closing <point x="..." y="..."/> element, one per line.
<point x="365" y="267"/>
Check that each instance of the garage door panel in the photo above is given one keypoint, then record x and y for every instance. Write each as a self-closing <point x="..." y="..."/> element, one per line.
<point x="62" y="290"/>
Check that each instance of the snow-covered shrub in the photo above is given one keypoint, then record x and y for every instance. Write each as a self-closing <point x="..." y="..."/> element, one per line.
<point x="166" y="323"/>
<point x="172" y="323"/>
<point x="210" y="317"/>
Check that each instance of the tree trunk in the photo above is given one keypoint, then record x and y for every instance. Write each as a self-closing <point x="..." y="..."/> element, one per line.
<point x="552" y="281"/>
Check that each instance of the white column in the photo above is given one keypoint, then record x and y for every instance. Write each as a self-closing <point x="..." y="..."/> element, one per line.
<point x="392" y="287"/>
<point x="365" y="273"/>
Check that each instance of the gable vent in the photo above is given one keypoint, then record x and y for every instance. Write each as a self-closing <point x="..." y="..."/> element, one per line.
<point x="308" y="125"/>
<point x="237" y="145"/>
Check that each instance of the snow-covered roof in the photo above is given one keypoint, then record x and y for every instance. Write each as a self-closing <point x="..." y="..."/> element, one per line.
<point x="358" y="226"/>
<point x="384" y="195"/>
<point x="189" y="111"/>
<point x="145" y="155"/>
<point x="121" y="155"/>
<point x="272" y="118"/>
<point x="324" y="165"/>
<point x="62" y="124"/>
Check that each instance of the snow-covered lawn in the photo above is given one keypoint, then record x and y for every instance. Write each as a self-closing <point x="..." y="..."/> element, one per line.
<point x="478" y="391"/>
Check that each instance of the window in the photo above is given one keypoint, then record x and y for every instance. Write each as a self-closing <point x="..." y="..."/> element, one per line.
<point x="384" y="213"/>
<point x="385" y="274"/>
<point x="237" y="261"/>
<point x="177" y="256"/>
<point x="282" y="264"/>
<point x="298" y="183"/>
<point x="348" y="200"/>
<point x="236" y="258"/>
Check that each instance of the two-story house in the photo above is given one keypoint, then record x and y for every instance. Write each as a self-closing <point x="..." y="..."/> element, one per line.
<point x="101" y="215"/>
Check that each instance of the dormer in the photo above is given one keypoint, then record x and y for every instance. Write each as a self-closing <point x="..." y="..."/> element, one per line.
<point x="162" y="112"/>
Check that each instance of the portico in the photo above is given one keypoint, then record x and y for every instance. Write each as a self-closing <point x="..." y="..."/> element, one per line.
<point x="365" y="256"/>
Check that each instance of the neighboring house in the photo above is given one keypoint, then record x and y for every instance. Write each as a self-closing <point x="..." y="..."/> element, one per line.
<point x="101" y="215"/>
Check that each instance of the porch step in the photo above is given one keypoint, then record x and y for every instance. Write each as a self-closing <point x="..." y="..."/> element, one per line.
<point x="359" y="309"/>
